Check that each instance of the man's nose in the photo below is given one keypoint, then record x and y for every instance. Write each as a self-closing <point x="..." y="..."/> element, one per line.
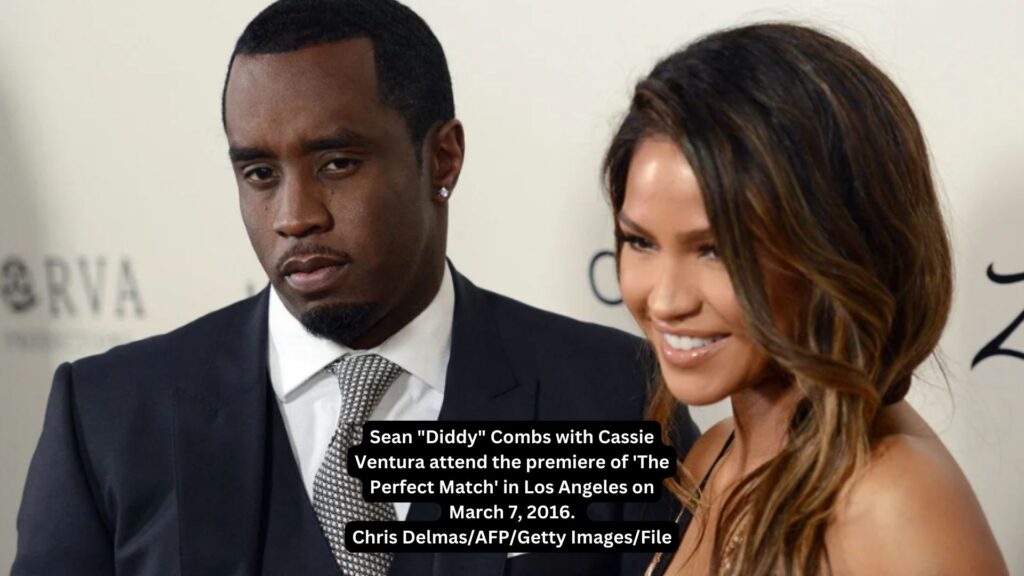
<point x="301" y="208"/>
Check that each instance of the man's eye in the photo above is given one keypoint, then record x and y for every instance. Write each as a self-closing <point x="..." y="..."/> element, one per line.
<point x="258" y="173"/>
<point x="339" y="165"/>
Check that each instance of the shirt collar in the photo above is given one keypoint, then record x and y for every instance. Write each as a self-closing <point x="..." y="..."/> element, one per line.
<point x="421" y="347"/>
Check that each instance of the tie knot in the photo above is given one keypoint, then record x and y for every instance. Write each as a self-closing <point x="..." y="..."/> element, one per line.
<point x="363" y="381"/>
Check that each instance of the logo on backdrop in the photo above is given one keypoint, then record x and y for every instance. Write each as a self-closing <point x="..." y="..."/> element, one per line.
<point x="16" y="285"/>
<point x="42" y="294"/>
<point x="603" y="281"/>
<point x="995" y="347"/>
<point x="79" y="287"/>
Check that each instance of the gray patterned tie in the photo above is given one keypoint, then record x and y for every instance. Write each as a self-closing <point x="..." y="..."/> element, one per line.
<point x="338" y="497"/>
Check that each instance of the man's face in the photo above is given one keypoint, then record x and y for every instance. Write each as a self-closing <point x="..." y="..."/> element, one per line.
<point x="343" y="220"/>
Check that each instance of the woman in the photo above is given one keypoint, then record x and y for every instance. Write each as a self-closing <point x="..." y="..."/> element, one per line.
<point x="781" y="244"/>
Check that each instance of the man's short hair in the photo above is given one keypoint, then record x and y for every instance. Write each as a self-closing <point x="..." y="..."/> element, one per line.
<point x="412" y="73"/>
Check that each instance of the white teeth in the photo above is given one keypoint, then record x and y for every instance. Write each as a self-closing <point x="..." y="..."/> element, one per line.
<point x="686" y="343"/>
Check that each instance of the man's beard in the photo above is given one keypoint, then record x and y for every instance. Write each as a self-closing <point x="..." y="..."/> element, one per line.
<point x="341" y="323"/>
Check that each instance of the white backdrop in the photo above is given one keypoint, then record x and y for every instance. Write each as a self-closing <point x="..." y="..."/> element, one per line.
<point x="118" y="216"/>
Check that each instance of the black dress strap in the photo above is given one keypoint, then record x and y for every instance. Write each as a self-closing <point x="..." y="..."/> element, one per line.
<point x="686" y="516"/>
<point x="721" y="454"/>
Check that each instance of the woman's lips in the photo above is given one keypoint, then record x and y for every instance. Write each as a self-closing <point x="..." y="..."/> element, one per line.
<point x="690" y="358"/>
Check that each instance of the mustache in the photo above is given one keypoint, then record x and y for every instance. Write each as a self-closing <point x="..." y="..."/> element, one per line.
<point x="305" y="250"/>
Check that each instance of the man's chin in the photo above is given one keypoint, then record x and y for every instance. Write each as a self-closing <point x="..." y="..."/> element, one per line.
<point x="341" y="323"/>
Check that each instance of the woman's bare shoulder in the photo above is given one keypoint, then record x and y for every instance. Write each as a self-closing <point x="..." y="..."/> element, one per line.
<point x="911" y="511"/>
<point x="706" y="448"/>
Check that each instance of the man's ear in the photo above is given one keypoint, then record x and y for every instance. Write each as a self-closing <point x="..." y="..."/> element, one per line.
<point x="445" y="160"/>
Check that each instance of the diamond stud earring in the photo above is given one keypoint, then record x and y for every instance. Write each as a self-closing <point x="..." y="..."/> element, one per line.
<point x="444" y="193"/>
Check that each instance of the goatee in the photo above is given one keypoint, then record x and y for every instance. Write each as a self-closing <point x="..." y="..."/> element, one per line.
<point x="341" y="323"/>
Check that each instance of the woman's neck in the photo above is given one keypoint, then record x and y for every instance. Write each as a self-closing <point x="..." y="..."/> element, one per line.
<point x="761" y="416"/>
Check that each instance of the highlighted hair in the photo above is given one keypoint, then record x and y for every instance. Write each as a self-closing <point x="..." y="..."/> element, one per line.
<point x="809" y="159"/>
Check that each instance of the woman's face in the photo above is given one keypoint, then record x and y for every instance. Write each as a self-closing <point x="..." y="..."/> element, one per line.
<point x="674" y="283"/>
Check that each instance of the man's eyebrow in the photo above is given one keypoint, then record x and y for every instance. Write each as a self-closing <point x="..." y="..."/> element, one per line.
<point x="242" y="154"/>
<point x="343" y="139"/>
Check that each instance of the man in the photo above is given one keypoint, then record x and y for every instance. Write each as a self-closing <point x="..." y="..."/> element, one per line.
<point x="209" y="450"/>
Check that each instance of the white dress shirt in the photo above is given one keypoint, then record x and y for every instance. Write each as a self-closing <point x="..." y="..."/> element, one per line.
<point x="309" y="395"/>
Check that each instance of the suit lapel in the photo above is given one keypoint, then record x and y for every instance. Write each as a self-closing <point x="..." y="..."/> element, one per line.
<point x="221" y="422"/>
<point x="483" y="383"/>
<point x="220" y="447"/>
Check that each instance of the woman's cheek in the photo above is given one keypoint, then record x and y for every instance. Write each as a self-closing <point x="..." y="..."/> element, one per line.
<point x="632" y="284"/>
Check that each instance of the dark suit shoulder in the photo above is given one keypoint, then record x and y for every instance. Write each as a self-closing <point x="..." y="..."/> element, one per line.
<point x="562" y="332"/>
<point x="583" y="370"/>
<point x="129" y="391"/>
<point x="122" y="402"/>
<point x="598" y="370"/>
<point x="180" y="351"/>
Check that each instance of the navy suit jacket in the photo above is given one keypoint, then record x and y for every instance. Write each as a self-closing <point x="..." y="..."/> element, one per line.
<point x="168" y="456"/>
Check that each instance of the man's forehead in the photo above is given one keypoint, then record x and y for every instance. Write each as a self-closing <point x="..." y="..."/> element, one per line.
<point x="336" y="78"/>
<point x="348" y="60"/>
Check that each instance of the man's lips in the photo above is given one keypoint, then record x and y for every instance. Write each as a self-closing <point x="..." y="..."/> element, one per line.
<point x="310" y="263"/>
<point x="315" y="273"/>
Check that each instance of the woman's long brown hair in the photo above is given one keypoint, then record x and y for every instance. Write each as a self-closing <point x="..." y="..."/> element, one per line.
<point x="810" y="158"/>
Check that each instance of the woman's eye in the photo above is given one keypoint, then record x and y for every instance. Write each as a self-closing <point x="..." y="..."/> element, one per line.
<point x="258" y="173"/>
<point x="709" y="251"/>
<point x="635" y="242"/>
